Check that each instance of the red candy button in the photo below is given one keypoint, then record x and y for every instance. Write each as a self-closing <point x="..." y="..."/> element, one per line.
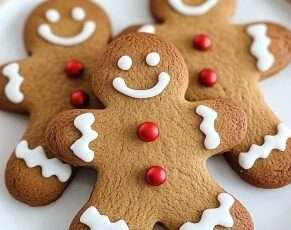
<point x="74" y="68"/>
<point x="79" y="99"/>
<point x="202" y="42"/>
<point x="148" y="132"/>
<point x="208" y="77"/>
<point x="156" y="176"/>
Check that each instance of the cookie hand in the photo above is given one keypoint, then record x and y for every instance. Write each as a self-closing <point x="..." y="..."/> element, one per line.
<point x="70" y="135"/>
<point x="11" y="90"/>
<point x="271" y="46"/>
<point x="223" y="124"/>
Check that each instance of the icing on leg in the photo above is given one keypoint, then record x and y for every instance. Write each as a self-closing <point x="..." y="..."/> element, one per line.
<point x="29" y="169"/>
<point x="95" y="221"/>
<point x="37" y="158"/>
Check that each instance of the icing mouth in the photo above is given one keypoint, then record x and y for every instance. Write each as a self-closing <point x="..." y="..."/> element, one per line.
<point x="120" y="85"/>
<point x="185" y="9"/>
<point x="46" y="33"/>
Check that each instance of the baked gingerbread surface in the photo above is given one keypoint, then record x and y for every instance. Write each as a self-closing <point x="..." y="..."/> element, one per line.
<point x="229" y="61"/>
<point x="62" y="38"/>
<point x="150" y="146"/>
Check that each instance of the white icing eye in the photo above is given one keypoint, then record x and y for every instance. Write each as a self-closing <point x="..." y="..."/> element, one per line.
<point x="124" y="63"/>
<point x="78" y="14"/>
<point x="153" y="59"/>
<point x="53" y="15"/>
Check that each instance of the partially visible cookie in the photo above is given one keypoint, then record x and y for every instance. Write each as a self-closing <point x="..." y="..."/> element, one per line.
<point x="150" y="145"/>
<point x="229" y="61"/>
<point x="64" y="38"/>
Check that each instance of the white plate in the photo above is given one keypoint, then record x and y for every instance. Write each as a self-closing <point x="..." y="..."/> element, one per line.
<point x="270" y="208"/>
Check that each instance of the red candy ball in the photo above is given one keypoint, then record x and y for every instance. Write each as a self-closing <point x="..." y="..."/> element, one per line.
<point x="148" y="132"/>
<point x="79" y="99"/>
<point x="202" y="42"/>
<point x="156" y="176"/>
<point x="208" y="77"/>
<point x="74" y="68"/>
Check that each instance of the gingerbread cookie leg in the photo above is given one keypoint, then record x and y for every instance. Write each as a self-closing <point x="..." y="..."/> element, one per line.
<point x="11" y="95"/>
<point x="32" y="177"/>
<point x="216" y="210"/>
<point x="115" y="205"/>
<point x="264" y="159"/>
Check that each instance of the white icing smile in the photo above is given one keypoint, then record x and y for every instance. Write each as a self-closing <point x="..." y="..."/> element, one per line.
<point x="120" y="85"/>
<point x="78" y="14"/>
<point x="125" y="63"/>
<point x="196" y="10"/>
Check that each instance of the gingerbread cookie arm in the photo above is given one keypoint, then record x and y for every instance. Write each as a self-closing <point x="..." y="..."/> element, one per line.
<point x="71" y="134"/>
<point x="31" y="168"/>
<point x="11" y="90"/>
<point x="271" y="46"/>
<point x="223" y="124"/>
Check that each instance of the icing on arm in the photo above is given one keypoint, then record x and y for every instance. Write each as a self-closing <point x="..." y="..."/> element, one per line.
<point x="215" y="217"/>
<point x="212" y="139"/>
<point x="260" y="46"/>
<point x="81" y="147"/>
<point x="12" y="89"/>
<point x="95" y="221"/>
<point x="279" y="142"/>
<point x="37" y="157"/>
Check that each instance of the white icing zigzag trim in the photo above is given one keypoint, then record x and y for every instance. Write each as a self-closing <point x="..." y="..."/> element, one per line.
<point x="215" y="217"/>
<point x="95" y="221"/>
<point x="36" y="157"/>
<point x="150" y="29"/>
<point x="212" y="140"/>
<point x="81" y="147"/>
<point x="47" y="34"/>
<point x="279" y="142"/>
<point x="192" y="10"/>
<point x="260" y="46"/>
<point x="12" y="89"/>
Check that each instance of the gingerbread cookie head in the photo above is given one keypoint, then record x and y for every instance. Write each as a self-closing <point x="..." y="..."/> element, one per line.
<point x="192" y="9"/>
<point x="74" y="24"/>
<point x="119" y="79"/>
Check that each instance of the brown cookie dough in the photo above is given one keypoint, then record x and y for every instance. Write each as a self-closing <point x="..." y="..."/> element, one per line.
<point x="150" y="145"/>
<point x="229" y="61"/>
<point x="63" y="39"/>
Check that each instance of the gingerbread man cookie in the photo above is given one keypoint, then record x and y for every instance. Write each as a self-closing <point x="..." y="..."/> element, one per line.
<point x="63" y="38"/>
<point x="150" y="145"/>
<point x="229" y="61"/>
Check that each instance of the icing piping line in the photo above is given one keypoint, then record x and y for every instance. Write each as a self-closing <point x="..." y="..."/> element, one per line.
<point x="260" y="46"/>
<point x="279" y="142"/>
<point x="81" y="147"/>
<point x="46" y="33"/>
<point x="37" y="157"/>
<point x="212" y="139"/>
<point x="193" y="10"/>
<point x="95" y="221"/>
<point x="120" y="85"/>
<point x="12" y="89"/>
<point x="215" y="217"/>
